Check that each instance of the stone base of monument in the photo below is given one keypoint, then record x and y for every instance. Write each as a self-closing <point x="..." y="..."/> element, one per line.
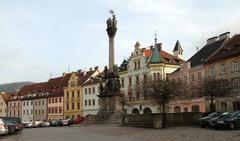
<point x="110" y="111"/>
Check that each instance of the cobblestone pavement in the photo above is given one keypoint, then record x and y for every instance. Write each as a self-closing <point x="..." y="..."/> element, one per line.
<point x="119" y="133"/>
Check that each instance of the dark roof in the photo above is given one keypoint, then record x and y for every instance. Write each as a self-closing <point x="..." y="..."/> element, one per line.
<point x="177" y="46"/>
<point x="205" y="52"/>
<point x="230" y="49"/>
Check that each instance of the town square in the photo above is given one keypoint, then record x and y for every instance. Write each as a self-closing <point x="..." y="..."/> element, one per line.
<point x="130" y="70"/>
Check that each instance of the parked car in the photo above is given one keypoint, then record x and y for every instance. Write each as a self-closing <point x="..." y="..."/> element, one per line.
<point x="37" y="123"/>
<point x="16" y="121"/>
<point x="55" y="122"/>
<point x="78" y="120"/>
<point x="67" y="122"/>
<point x="203" y="122"/>
<point x="230" y="121"/>
<point x="3" y="127"/>
<point x="11" y="127"/>
<point x="45" y="124"/>
<point x="28" y="124"/>
<point x="212" y="122"/>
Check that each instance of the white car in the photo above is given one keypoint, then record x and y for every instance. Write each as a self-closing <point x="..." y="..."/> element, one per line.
<point x="28" y="124"/>
<point x="45" y="124"/>
<point x="3" y="127"/>
<point x="37" y="123"/>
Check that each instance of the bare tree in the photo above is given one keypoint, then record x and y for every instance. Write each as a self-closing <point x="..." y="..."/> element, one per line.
<point x="214" y="88"/>
<point x="161" y="91"/>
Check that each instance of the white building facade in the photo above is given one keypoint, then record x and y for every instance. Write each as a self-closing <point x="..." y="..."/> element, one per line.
<point x="90" y="97"/>
<point x="144" y="64"/>
<point x="27" y="108"/>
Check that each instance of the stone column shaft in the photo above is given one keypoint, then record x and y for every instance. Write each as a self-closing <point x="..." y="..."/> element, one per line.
<point x="111" y="54"/>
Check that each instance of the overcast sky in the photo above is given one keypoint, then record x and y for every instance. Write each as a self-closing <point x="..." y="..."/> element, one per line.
<point x="41" y="37"/>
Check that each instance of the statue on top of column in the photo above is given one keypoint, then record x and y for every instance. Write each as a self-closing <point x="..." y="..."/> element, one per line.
<point x="111" y="24"/>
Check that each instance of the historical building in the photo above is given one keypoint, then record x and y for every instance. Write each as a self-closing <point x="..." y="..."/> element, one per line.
<point x="55" y="87"/>
<point x="73" y="97"/>
<point x="14" y="106"/>
<point x="193" y="73"/>
<point x="91" y="91"/>
<point x="143" y="64"/>
<point x="225" y="63"/>
<point x="4" y="98"/>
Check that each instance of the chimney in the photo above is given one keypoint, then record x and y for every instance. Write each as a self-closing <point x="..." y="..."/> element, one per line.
<point x="90" y="69"/>
<point x="212" y="40"/>
<point x="159" y="46"/>
<point x="151" y="47"/>
<point x="223" y="36"/>
<point x="96" y="68"/>
<point x="64" y="74"/>
<point x="79" y="71"/>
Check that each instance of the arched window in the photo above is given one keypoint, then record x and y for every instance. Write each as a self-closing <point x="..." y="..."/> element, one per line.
<point x="135" y="111"/>
<point x="147" y="111"/>
<point x="49" y="110"/>
<point x="177" y="109"/>
<point x="56" y="109"/>
<point x="60" y="109"/>
<point x="185" y="109"/>
<point x="195" y="108"/>
<point x="52" y="110"/>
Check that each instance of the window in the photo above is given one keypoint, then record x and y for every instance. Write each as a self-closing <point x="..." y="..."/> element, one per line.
<point x="56" y="100"/>
<point x="235" y="66"/>
<point x="89" y="102"/>
<point x="89" y="90"/>
<point x="195" y="108"/>
<point x="137" y="95"/>
<point x="211" y="72"/>
<point x="23" y="111"/>
<point x="52" y="109"/>
<point x="31" y="102"/>
<point x="72" y="94"/>
<point x="36" y="103"/>
<point x="154" y="76"/>
<point x="236" y="85"/>
<point x="39" y="112"/>
<point x="85" y="90"/>
<point x="93" y="102"/>
<point x="199" y="76"/>
<point x="35" y="112"/>
<point x="31" y="111"/>
<point x="177" y="109"/>
<point x="72" y="106"/>
<point x="135" y="65"/>
<point x="27" y="111"/>
<point x="49" y="100"/>
<point x="222" y="68"/>
<point x="93" y="90"/>
<point x="78" y="94"/>
<point x="158" y="75"/>
<point x="56" y="109"/>
<point x="27" y="103"/>
<point x="85" y="102"/>
<point x="39" y="102"/>
<point x="42" y="102"/>
<point x="78" y="106"/>
<point x="60" y="109"/>
<point x="139" y="65"/>
<point x="60" y="100"/>
<point x="67" y="94"/>
<point x="130" y="81"/>
<point x="43" y="112"/>
<point x="67" y="106"/>
<point x="137" y="80"/>
<point x="23" y="103"/>
<point x="192" y="77"/>
<point x="49" y="110"/>
<point x="122" y="82"/>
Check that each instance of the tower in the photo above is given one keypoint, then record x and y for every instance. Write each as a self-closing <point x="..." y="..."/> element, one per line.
<point x="178" y="51"/>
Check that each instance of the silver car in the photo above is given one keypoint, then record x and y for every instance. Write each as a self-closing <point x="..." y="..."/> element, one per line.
<point x="3" y="127"/>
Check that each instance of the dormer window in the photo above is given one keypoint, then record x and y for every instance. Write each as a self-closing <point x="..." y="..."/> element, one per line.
<point x="235" y="66"/>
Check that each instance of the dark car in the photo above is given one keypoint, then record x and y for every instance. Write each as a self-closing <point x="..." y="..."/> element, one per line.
<point x="230" y="121"/>
<point x="78" y="120"/>
<point x="203" y="122"/>
<point x="11" y="127"/>
<point x="212" y="122"/>
<point x="55" y="123"/>
<point x="15" y="120"/>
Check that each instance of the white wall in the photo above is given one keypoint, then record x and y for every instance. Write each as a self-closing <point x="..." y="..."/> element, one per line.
<point x="27" y="110"/>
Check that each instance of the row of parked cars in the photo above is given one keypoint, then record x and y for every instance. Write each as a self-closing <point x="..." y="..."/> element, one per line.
<point x="221" y="120"/>
<point x="53" y="123"/>
<point x="10" y="125"/>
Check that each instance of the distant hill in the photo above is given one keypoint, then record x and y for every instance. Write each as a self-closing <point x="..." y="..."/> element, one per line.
<point x="13" y="87"/>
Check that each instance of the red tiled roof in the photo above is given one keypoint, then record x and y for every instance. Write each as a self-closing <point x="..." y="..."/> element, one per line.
<point x="6" y="97"/>
<point x="165" y="57"/>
